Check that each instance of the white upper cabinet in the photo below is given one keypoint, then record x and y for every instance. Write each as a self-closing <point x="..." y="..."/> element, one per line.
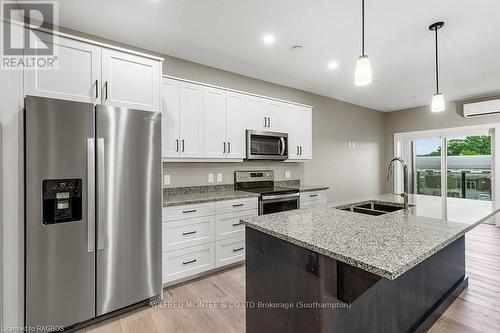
<point x="265" y="115"/>
<point x="77" y="77"/>
<point x="256" y="113"/>
<point x="91" y="73"/>
<point x="214" y="115"/>
<point x="130" y="81"/>
<point x="276" y="116"/>
<point x="235" y="125"/>
<point x="170" y="118"/>
<point x="191" y="120"/>
<point x="202" y="122"/>
<point x="299" y="128"/>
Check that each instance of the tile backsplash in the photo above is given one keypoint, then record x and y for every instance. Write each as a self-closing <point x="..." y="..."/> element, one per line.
<point x="196" y="174"/>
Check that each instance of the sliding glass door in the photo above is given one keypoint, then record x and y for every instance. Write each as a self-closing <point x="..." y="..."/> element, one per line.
<point x="457" y="165"/>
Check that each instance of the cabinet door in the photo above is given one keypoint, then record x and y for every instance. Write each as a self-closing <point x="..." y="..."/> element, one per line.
<point x="170" y="144"/>
<point x="235" y="125"/>
<point x="305" y="132"/>
<point x="275" y="113"/>
<point x="191" y="120"/>
<point x="256" y="113"/>
<point x="214" y="119"/>
<point x="77" y="76"/>
<point x="292" y="128"/>
<point x="130" y="81"/>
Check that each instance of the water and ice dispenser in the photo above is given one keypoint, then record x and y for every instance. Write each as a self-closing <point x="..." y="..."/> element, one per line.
<point x="62" y="200"/>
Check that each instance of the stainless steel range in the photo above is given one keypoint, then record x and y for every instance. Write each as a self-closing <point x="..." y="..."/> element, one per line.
<point x="272" y="198"/>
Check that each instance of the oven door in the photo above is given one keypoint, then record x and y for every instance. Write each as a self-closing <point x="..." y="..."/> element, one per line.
<point x="267" y="145"/>
<point x="269" y="204"/>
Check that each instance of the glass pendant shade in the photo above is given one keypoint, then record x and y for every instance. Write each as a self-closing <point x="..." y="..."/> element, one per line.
<point x="363" y="73"/>
<point x="438" y="103"/>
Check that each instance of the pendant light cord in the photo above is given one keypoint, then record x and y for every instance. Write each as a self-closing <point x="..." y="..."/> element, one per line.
<point x="437" y="64"/>
<point x="363" y="28"/>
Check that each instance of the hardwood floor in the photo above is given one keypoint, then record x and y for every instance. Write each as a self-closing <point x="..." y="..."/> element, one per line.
<point x="476" y="310"/>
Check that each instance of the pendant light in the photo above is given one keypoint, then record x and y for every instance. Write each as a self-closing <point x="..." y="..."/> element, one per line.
<point x="438" y="104"/>
<point x="363" y="73"/>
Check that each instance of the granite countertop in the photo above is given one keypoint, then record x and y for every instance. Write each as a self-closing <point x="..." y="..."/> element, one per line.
<point x="387" y="245"/>
<point x="201" y="194"/>
<point x="178" y="196"/>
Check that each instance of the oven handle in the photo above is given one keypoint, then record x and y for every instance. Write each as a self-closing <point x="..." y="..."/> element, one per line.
<point x="279" y="196"/>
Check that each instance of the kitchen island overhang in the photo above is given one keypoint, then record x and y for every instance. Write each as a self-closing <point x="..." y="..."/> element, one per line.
<point x="328" y="289"/>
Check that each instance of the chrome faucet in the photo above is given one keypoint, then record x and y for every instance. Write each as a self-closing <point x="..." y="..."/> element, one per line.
<point x="405" y="179"/>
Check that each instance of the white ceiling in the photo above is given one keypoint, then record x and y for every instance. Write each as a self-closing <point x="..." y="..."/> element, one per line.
<point x="227" y="34"/>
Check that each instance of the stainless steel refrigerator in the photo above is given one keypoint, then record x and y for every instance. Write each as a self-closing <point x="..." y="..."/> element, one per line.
<point x="92" y="210"/>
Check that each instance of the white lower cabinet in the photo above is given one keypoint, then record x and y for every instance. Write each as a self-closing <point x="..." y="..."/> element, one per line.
<point x="313" y="199"/>
<point x="229" y="251"/>
<point x="200" y="237"/>
<point x="189" y="261"/>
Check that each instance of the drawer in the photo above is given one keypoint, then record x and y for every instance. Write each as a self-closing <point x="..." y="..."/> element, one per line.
<point x="187" y="211"/>
<point x="313" y="196"/>
<point x="230" y="250"/>
<point x="184" y="233"/>
<point x="228" y="225"/>
<point x="311" y="204"/>
<point x="189" y="261"/>
<point x="236" y="205"/>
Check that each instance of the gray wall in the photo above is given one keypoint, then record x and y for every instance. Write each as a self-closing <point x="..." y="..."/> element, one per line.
<point x="349" y="172"/>
<point x="421" y="118"/>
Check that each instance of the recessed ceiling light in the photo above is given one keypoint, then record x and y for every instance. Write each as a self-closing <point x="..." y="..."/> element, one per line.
<point x="333" y="64"/>
<point x="268" y="39"/>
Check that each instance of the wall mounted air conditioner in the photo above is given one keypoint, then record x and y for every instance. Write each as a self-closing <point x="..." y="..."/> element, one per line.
<point x="482" y="108"/>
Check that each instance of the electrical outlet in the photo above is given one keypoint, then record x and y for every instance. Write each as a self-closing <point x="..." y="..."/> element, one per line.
<point x="288" y="175"/>
<point x="166" y="179"/>
<point x="219" y="177"/>
<point x="210" y="177"/>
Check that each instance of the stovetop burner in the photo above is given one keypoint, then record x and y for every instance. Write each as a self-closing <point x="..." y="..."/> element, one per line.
<point x="261" y="182"/>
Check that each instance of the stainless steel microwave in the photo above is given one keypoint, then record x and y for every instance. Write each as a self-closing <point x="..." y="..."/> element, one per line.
<point x="263" y="145"/>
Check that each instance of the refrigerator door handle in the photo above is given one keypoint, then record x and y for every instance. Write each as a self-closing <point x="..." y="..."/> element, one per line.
<point x="101" y="174"/>
<point x="90" y="195"/>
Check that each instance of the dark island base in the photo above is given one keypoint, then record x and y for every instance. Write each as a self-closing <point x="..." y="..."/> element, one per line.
<point x="291" y="289"/>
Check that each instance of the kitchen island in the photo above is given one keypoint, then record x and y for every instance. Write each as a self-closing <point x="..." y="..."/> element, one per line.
<point x="331" y="269"/>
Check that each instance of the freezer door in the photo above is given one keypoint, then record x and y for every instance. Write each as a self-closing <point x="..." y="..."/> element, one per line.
<point x="59" y="243"/>
<point x="129" y="207"/>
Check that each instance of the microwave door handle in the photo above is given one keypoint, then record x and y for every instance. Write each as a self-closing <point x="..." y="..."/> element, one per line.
<point x="282" y="141"/>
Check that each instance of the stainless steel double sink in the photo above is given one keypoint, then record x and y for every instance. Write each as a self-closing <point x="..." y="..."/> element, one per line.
<point x="374" y="208"/>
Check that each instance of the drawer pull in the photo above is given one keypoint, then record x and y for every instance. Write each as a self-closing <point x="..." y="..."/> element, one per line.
<point x="313" y="195"/>
<point x="188" y="233"/>
<point x="236" y="224"/>
<point x="189" y="211"/>
<point x="188" y="262"/>
<point x="238" y="249"/>
<point x="238" y="205"/>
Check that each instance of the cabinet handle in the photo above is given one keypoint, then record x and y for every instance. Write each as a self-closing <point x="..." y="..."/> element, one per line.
<point x="188" y="262"/>
<point x="96" y="89"/>
<point x="188" y="233"/>
<point x="106" y="90"/>
<point x="224" y="144"/>
<point x="189" y="211"/>
<point x="238" y="205"/>
<point x="300" y="150"/>
<point x="236" y="224"/>
<point x="269" y="122"/>
<point x="297" y="150"/>
<point x="265" y="121"/>
<point x="229" y="147"/>
<point x="176" y="145"/>
<point x="238" y="249"/>
<point x="313" y="195"/>
<point x="182" y="145"/>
